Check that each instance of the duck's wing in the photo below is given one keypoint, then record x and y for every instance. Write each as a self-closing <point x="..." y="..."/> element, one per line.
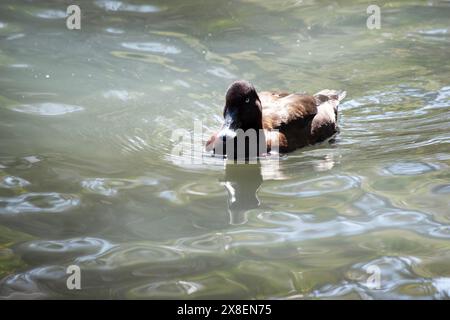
<point x="282" y="108"/>
<point x="270" y="97"/>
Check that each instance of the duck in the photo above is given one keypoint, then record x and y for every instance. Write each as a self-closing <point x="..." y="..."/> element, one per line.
<point x="273" y="121"/>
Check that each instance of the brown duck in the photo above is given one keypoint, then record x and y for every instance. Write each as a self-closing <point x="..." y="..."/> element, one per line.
<point x="286" y="121"/>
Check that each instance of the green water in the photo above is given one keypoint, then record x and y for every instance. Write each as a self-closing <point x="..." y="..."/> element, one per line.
<point x="87" y="175"/>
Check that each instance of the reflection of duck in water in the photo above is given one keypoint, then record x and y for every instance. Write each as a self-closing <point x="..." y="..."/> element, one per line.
<point x="242" y="182"/>
<point x="288" y="121"/>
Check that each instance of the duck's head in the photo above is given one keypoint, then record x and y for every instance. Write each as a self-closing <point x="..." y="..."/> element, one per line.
<point x="242" y="115"/>
<point x="243" y="108"/>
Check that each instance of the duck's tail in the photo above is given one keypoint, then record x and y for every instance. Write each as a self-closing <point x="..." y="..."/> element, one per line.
<point x="330" y="97"/>
<point x="326" y="94"/>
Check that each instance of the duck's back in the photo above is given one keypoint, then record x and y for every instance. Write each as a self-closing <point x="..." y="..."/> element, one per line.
<point x="299" y="119"/>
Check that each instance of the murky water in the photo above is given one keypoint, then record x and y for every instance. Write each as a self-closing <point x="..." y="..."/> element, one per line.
<point x="87" y="177"/>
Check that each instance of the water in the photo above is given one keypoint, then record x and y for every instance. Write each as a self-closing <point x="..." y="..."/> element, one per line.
<point x="87" y="177"/>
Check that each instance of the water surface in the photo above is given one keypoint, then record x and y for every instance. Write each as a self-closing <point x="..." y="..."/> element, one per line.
<point x="87" y="177"/>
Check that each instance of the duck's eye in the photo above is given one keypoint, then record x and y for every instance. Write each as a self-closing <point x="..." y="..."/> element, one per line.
<point x="247" y="100"/>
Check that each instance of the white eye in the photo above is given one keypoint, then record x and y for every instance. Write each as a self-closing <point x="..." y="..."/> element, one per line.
<point x="247" y="100"/>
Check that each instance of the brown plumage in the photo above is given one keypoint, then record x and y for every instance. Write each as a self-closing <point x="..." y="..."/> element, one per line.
<point x="289" y="121"/>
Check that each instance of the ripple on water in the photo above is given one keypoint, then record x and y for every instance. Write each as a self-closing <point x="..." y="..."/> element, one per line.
<point x="140" y="253"/>
<point x="140" y="259"/>
<point x="202" y="188"/>
<point x="34" y="284"/>
<point x="210" y="286"/>
<point x="123" y="95"/>
<point x="278" y="217"/>
<point x="409" y="168"/>
<point x="394" y="272"/>
<point x="13" y="182"/>
<point x="444" y="94"/>
<point x="442" y="100"/>
<point x="434" y="32"/>
<point x="19" y="163"/>
<point x="114" y="30"/>
<point x="19" y="66"/>
<point x="50" y="14"/>
<point x="442" y="231"/>
<point x="441" y="189"/>
<point x="110" y="187"/>
<point x="47" y="109"/>
<point x="114" y="5"/>
<point x="151" y="47"/>
<point x="393" y="269"/>
<point x="164" y="288"/>
<point x="376" y="98"/>
<point x="149" y="58"/>
<point x="401" y="218"/>
<point x="316" y="187"/>
<point x="15" y="36"/>
<point x="221" y="73"/>
<point x="51" y="250"/>
<point x="45" y="202"/>
<point x="208" y="243"/>
<point x="442" y="286"/>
